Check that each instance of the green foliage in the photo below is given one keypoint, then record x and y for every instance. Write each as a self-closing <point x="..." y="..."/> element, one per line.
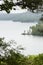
<point x="30" y="4"/>
<point x="7" y="6"/>
<point x="38" y="60"/>
<point x="15" y="58"/>
<point x="38" y="29"/>
<point x="10" y="56"/>
<point x="41" y="19"/>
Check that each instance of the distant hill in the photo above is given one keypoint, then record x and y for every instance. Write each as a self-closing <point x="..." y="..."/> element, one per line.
<point x="23" y="17"/>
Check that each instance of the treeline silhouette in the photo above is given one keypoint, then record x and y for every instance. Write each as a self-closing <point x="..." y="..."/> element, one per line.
<point x="29" y="4"/>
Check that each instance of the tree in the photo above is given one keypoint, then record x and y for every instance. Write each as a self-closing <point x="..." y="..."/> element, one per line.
<point x="9" y="55"/>
<point x="30" y="4"/>
<point x="38" y="60"/>
<point x="7" y="6"/>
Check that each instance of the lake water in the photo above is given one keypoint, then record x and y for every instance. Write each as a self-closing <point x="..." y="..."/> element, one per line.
<point x="12" y="31"/>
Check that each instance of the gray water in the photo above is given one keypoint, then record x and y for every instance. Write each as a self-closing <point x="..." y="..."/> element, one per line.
<point x="13" y="24"/>
<point x="12" y="31"/>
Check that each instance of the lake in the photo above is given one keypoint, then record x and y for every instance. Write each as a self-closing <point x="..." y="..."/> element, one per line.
<point x="12" y="31"/>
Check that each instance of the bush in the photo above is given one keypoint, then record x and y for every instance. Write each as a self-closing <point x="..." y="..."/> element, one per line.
<point x="37" y="30"/>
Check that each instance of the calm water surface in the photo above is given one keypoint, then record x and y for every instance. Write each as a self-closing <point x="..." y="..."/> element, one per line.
<point x="12" y="31"/>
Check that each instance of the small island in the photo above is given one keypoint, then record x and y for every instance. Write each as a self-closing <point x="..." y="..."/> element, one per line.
<point x="28" y="32"/>
<point x="41" y="19"/>
<point x="36" y="30"/>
